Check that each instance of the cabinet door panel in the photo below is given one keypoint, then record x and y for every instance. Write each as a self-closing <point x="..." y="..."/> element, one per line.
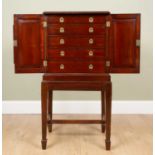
<point x="28" y="44"/>
<point x="124" y="53"/>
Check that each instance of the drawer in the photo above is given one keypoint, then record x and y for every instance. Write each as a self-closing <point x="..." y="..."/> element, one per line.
<point x="75" y="41"/>
<point x="78" y="67"/>
<point x="77" y="29"/>
<point x="82" y="54"/>
<point x="76" y="19"/>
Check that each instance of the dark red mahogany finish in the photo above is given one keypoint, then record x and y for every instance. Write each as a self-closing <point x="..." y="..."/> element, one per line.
<point x="124" y="54"/>
<point x="29" y="49"/>
<point x="114" y="44"/>
<point x="87" y="82"/>
<point x="77" y="51"/>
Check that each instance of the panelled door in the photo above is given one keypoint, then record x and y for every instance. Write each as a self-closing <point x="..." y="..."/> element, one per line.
<point x="28" y="43"/>
<point x="125" y="43"/>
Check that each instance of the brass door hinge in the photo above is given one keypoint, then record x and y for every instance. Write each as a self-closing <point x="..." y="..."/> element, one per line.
<point x="107" y="63"/>
<point x="138" y="43"/>
<point x="44" y="24"/>
<point x="15" y="44"/>
<point x="45" y="63"/>
<point x="108" y="23"/>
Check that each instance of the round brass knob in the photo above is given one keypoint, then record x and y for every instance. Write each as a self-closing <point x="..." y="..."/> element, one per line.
<point x="62" y="30"/>
<point x="91" y="30"/>
<point x="91" y="19"/>
<point x="62" y="53"/>
<point x="91" y="41"/>
<point x="91" y="66"/>
<point x="62" y="41"/>
<point x="61" y="19"/>
<point x="91" y="53"/>
<point x="62" y="66"/>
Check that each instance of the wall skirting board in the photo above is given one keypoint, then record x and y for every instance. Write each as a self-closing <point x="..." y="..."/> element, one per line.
<point x="78" y="107"/>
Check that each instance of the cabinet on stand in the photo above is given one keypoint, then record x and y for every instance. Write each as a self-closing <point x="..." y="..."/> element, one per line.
<point x="76" y="51"/>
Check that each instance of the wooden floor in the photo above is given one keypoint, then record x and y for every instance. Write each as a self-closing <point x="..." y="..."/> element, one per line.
<point x="131" y="135"/>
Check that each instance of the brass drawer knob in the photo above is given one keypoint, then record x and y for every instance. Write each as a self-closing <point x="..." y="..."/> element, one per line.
<point x="91" y="53"/>
<point x="62" y="66"/>
<point x="91" y="30"/>
<point x="62" y="41"/>
<point x="91" y="19"/>
<point x="62" y="30"/>
<point x="91" y="41"/>
<point x="62" y="53"/>
<point x="91" y="66"/>
<point x="61" y="19"/>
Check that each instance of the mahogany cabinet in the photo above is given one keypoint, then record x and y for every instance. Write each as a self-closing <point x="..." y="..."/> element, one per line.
<point x="77" y="42"/>
<point x="77" y="51"/>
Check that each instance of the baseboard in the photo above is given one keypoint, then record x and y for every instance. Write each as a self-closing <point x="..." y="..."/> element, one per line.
<point x="78" y="107"/>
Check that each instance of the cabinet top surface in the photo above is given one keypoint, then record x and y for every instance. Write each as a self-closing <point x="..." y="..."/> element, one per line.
<point x="76" y="12"/>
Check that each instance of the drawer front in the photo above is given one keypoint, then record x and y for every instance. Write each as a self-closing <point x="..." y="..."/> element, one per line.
<point x="76" y="67"/>
<point x="60" y="41"/>
<point x="76" y="19"/>
<point x="82" y="54"/>
<point x="77" y="29"/>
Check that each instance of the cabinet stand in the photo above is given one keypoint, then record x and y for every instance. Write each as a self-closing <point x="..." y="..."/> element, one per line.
<point x="88" y="82"/>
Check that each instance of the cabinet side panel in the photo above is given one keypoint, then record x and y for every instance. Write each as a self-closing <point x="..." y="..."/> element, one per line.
<point x="28" y="54"/>
<point x="124" y="38"/>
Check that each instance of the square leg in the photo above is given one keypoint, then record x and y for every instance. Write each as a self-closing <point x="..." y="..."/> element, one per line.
<point x="108" y="115"/>
<point x="103" y="109"/>
<point x="50" y="110"/>
<point x="44" y="93"/>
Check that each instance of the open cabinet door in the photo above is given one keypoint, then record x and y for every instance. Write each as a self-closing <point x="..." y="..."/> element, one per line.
<point x="28" y="44"/>
<point x="125" y="43"/>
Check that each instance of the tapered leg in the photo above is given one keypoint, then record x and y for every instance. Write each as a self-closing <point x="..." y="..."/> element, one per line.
<point x="108" y="115"/>
<point x="50" y="109"/>
<point x="44" y="96"/>
<point x="103" y="109"/>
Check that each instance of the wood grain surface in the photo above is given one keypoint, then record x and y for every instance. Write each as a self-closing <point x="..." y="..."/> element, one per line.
<point x="131" y="135"/>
